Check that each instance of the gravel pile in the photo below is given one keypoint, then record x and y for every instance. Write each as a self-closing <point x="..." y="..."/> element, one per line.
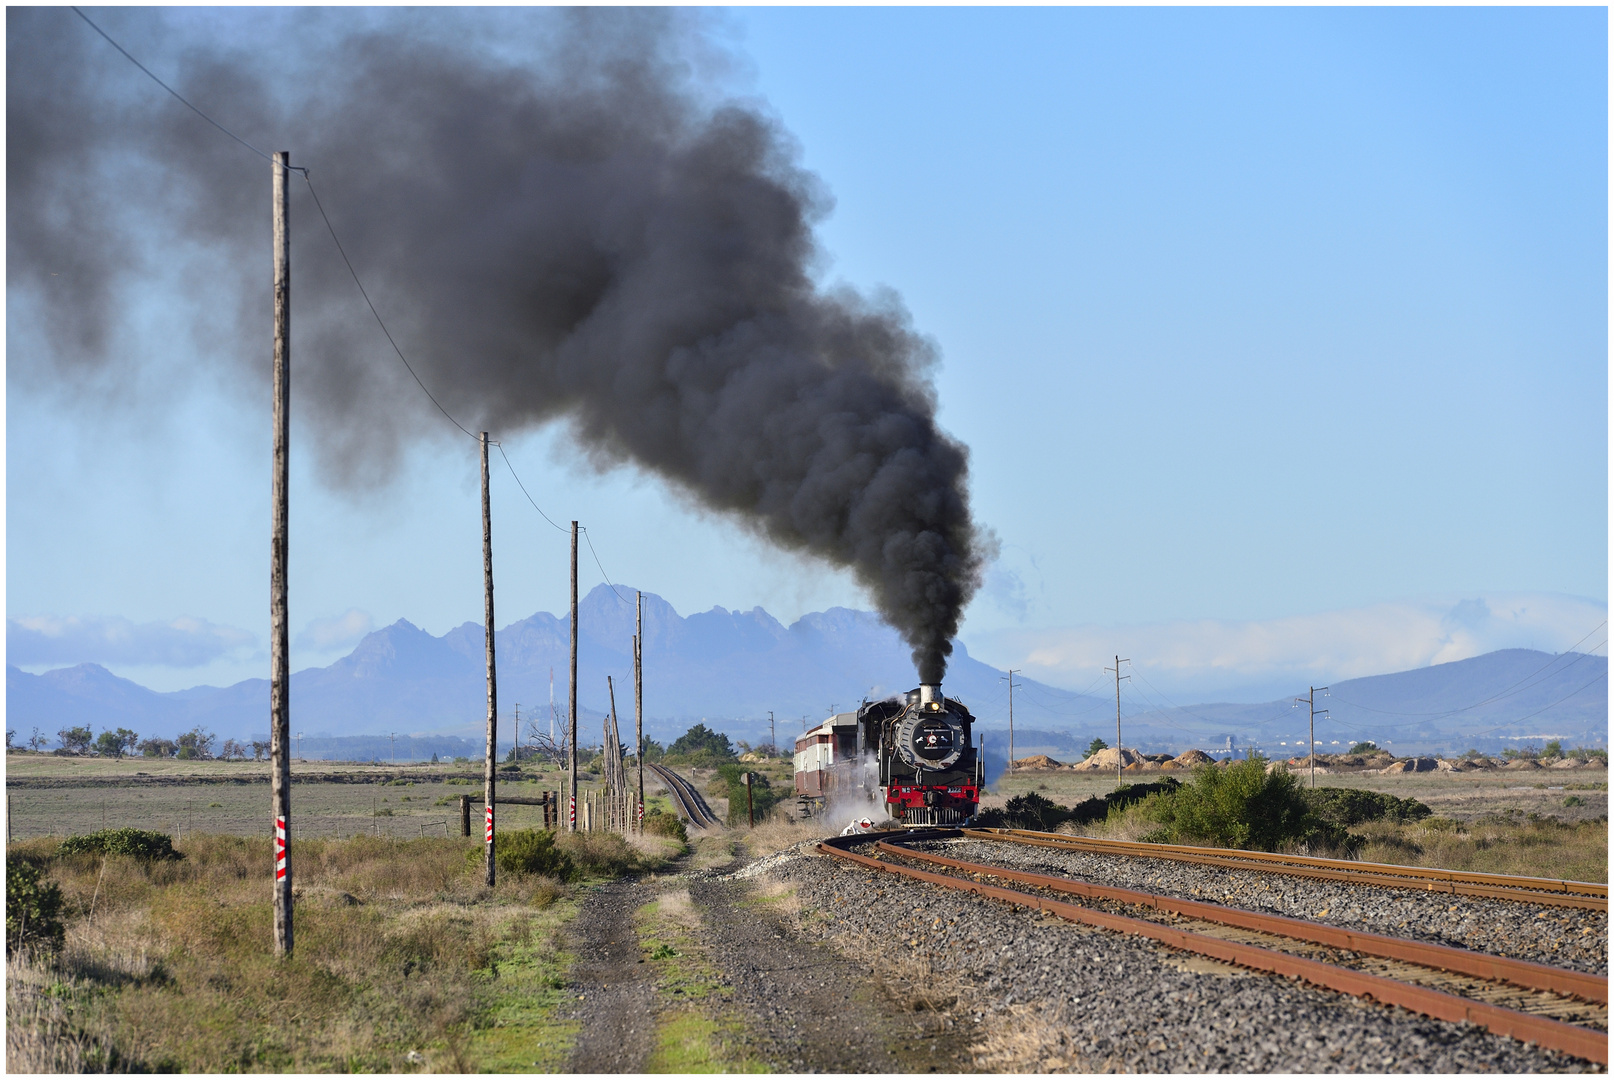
<point x="1563" y="937"/>
<point x="1056" y="996"/>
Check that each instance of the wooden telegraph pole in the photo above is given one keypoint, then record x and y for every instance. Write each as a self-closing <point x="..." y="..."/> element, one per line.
<point x="638" y="697"/>
<point x="572" y="708"/>
<point x="493" y="694"/>
<point x="279" y="650"/>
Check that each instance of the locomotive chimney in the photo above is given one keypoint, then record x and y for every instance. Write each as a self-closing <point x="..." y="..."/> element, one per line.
<point x="930" y="693"/>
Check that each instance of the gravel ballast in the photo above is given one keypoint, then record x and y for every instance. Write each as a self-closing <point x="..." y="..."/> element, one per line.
<point x="1057" y="996"/>
<point x="1563" y="937"/>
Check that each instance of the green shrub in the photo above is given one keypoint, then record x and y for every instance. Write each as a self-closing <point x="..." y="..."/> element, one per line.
<point x="1028" y="811"/>
<point x="1365" y="748"/>
<point x="533" y="851"/>
<point x="1352" y="806"/>
<point x="660" y="823"/>
<point x="140" y="843"/>
<point x="1241" y="806"/>
<point x="33" y="908"/>
<point x="1033" y="811"/>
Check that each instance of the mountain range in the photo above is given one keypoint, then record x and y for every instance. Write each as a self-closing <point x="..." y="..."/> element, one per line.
<point x="730" y="668"/>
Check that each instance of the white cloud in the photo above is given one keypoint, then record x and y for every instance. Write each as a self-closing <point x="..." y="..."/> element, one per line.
<point x="1211" y="655"/>
<point x="335" y="634"/>
<point x="33" y="640"/>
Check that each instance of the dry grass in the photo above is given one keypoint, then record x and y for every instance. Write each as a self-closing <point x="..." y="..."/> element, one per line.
<point x="1029" y="1039"/>
<point x="175" y="970"/>
<point x="1496" y="844"/>
<point x="780" y="832"/>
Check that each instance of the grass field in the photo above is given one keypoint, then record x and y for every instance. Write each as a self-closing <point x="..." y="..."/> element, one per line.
<point x="48" y="795"/>
<point x="405" y="961"/>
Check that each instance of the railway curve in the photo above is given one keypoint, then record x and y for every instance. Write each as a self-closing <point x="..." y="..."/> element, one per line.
<point x="686" y="797"/>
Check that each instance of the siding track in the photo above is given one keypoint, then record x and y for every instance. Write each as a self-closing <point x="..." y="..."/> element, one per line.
<point x="1554" y="1008"/>
<point x="1589" y="896"/>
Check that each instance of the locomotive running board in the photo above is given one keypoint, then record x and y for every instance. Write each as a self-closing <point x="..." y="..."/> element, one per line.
<point x="1550" y="1034"/>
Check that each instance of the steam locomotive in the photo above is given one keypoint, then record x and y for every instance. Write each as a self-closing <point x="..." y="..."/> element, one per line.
<point x="910" y="756"/>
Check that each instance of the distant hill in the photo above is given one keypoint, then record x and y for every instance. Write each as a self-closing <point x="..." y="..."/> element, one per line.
<point x="1506" y="698"/>
<point x="729" y="668"/>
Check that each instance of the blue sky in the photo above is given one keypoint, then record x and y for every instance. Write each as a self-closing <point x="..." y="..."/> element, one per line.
<point x="1251" y="318"/>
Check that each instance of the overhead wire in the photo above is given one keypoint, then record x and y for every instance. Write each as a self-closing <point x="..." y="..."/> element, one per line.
<point x="177" y="95"/>
<point x="357" y="281"/>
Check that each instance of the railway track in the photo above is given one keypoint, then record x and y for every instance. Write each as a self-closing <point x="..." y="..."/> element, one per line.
<point x="1551" y="1007"/>
<point x="1584" y="895"/>
<point x="688" y="799"/>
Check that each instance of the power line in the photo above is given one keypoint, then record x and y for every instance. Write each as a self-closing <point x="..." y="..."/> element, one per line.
<point x="351" y="269"/>
<point x="601" y="565"/>
<point x="523" y="488"/>
<point x="379" y="321"/>
<point x="177" y="95"/>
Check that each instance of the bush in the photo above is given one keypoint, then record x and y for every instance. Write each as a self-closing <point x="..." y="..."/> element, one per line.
<point x="660" y="823"/>
<point x="599" y="854"/>
<point x="1032" y="811"/>
<point x="533" y="851"/>
<point x="1350" y="806"/>
<point x="1365" y="748"/>
<point x="1241" y="806"/>
<point x="140" y="843"/>
<point x="33" y="908"/>
<point x="1095" y="746"/>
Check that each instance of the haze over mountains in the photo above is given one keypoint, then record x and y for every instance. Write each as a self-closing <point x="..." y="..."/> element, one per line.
<point x="731" y="668"/>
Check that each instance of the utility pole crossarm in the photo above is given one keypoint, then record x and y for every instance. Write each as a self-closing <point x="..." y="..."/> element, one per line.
<point x="1311" y="707"/>
<point x="1118" y="678"/>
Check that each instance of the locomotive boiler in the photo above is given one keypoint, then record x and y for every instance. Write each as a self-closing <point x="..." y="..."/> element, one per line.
<point x="911" y="756"/>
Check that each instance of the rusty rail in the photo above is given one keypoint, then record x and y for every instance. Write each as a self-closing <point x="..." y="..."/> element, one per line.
<point x="1585" y="895"/>
<point x="1459" y="961"/>
<point x="1552" y="1034"/>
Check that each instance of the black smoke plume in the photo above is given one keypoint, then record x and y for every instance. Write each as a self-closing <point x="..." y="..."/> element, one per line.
<point x="560" y="217"/>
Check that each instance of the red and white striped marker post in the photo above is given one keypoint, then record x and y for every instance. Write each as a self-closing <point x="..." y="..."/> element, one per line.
<point x="641" y="817"/>
<point x="488" y="838"/>
<point x="573" y="801"/>
<point x="282" y="871"/>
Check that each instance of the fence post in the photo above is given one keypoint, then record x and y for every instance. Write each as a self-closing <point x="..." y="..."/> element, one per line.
<point x="465" y="815"/>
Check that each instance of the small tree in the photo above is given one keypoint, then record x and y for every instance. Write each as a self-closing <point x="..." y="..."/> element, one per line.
<point x="1553" y="749"/>
<point x="76" y="740"/>
<point x="259" y="750"/>
<point x="109" y="745"/>
<point x="158" y="748"/>
<point x="1095" y="746"/>
<point x="232" y="751"/>
<point x="702" y="742"/>
<point x="1365" y="748"/>
<point x="197" y="743"/>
